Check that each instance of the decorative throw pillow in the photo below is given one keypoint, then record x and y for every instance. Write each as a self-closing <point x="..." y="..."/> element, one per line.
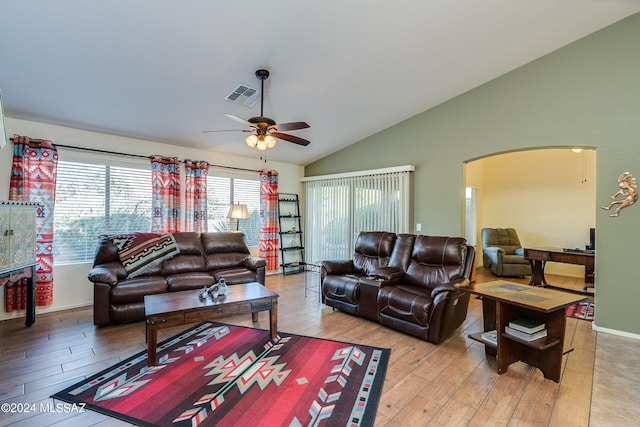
<point x="139" y="252"/>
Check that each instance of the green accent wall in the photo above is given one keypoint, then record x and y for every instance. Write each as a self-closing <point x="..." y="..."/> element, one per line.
<point x="586" y="94"/>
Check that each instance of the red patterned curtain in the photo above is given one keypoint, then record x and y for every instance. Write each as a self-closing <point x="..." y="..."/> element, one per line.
<point x="195" y="195"/>
<point x="33" y="179"/>
<point x="269" y="218"/>
<point x="165" y="199"/>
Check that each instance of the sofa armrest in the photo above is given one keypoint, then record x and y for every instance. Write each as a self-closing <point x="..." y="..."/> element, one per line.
<point x="253" y="263"/>
<point x="102" y="274"/>
<point x="452" y="286"/>
<point x="337" y="267"/>
<point x="493" y="254"/>
<point x="389" y="273"/>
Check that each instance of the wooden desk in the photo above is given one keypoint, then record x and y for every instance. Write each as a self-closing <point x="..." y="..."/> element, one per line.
<point x="178" y="308"/>
<point x="538" y="258"/>
<point x="503" y="302"/>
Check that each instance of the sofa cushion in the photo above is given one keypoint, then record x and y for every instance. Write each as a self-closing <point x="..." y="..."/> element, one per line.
<point x="436" y="260"/>
<point x="188" y="281"/>
<point x="134" y="290"/>
<point x="190" y="258"/>
<point x="183" y="264"/>
<point x="234" y="276"/>
<point x="409" y="303"/>
<point x="514" y="259"/>
<point x="224" y="250"/>
<point x="372" y="251"/>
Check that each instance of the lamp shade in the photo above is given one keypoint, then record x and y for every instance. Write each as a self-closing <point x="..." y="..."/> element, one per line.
<point x="238" y="212"/>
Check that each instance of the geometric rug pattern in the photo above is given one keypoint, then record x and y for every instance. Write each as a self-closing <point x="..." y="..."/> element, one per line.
<point x="584" y="310"/>
<point x="224" y="375"/>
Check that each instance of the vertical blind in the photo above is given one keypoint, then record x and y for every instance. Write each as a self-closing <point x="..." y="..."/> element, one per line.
<point x="338" y="207"/>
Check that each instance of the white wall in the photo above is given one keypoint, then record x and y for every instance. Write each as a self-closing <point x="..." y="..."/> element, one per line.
<point x="547" y="195"/>
<point x="71" y="287"/>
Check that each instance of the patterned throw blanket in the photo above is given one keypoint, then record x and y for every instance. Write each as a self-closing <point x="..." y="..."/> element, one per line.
<point x="139" y="252"/>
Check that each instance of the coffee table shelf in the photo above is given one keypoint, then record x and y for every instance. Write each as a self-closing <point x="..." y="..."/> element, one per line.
<point x="539" y="344"/>
<point x="478" y="337"/>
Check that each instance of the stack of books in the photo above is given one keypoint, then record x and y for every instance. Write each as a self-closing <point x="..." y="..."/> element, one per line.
<point x="490" y="336"/>
<point x="526" y="329"/>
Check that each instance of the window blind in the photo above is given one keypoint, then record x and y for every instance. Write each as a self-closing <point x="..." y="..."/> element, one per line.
<point x="339" y="207"/>
<point x="224" y="191"/>
<point x="95" y="199"/>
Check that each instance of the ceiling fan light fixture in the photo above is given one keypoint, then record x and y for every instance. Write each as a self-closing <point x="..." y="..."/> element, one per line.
<point x="271" y="141"/>
<point x="262" y="144"/>
<point x="267" y="131"/>
<point x="252" y="140"/>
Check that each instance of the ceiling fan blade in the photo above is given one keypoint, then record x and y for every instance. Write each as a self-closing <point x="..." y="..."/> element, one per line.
<point x="239" y="119"/>
<point x="291" y="126"/>
<point x="291" y="138"/>
<point x="227" y="130"/>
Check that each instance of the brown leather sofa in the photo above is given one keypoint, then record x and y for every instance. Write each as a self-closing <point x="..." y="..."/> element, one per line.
<point x="407" y="282"/>
<point x="204" y="259"/>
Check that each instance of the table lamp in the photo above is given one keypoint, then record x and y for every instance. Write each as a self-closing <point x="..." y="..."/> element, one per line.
<point x="238" y="212"/>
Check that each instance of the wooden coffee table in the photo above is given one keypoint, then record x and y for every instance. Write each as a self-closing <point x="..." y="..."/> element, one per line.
<point x="179" y="308"/>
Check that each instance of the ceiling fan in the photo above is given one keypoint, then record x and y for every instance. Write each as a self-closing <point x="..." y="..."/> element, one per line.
<point x="266" y="129"/>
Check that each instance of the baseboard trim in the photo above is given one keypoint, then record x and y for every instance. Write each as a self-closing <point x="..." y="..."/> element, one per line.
<point x="615" y="332"/>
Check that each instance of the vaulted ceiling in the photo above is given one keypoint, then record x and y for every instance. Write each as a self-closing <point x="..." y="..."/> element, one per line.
<point x="161" y="69"/>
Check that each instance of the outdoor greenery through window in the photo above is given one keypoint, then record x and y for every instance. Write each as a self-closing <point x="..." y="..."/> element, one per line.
<point x="221" y="193"/>
<point x="95" y="199"/>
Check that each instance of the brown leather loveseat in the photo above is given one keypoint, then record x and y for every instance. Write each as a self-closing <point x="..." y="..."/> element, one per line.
<point x="203" y="259"/>
<point x="407" y="282"/>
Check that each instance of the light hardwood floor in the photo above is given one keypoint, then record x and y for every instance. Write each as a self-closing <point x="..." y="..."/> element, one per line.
<point x="451" y="384"/>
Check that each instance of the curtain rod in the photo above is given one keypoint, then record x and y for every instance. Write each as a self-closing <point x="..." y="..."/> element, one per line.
<point x="140" y="156"/>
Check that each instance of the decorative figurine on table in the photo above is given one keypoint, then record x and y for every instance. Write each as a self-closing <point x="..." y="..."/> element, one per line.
<point x="628" y="190"/>
<point x="214" y="291"/>
<point x="222" y="287"/>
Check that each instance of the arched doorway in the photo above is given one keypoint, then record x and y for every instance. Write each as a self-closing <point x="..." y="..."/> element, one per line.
<point x="547" y="195"/>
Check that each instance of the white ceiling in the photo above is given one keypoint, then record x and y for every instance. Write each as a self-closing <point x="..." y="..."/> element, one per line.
<point x="160" y="69"/>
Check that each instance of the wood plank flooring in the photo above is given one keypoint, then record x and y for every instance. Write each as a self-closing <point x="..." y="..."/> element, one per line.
<point x="451" y="384"/>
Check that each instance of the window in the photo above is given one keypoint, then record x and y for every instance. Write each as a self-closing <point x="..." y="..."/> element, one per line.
<point x="95" y="199"/>
<point x="224" y="191"/>
<point x="339" y="207"/>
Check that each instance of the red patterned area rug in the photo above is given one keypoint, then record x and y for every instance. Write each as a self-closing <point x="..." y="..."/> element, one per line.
<point x="223" y="375"/>
<point x="581" y="310"/>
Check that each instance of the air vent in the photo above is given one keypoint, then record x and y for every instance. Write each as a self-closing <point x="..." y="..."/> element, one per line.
<point x="244" y="95"/>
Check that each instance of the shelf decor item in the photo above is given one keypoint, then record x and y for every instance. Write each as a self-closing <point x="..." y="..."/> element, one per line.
<point x="491" y="336"/>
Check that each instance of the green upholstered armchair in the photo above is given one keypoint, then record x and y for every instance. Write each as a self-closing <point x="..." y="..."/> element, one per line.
<point x="502" y="253"/>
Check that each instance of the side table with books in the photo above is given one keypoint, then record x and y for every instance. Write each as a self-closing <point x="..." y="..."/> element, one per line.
<point x="523" y="322"/>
